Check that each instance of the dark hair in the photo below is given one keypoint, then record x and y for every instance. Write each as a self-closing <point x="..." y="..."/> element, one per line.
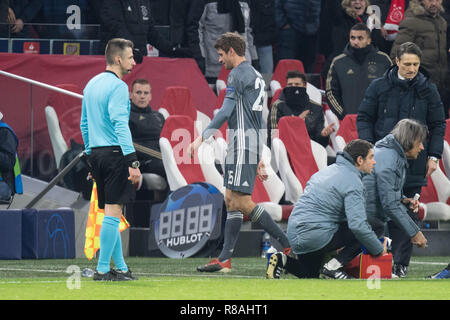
<point x="231" y="40"/>
<point x="407" y="132"/>
<point x="140" y="81"/>
<point x="116" y="47"/>
<point x="408" y="47"/>
<point x="295" y="74"/>
<point x="357" y="148"/>
<point x="361" y="27"/>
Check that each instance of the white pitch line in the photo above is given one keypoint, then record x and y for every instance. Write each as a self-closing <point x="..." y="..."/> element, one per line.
<point x="430" y="263"/>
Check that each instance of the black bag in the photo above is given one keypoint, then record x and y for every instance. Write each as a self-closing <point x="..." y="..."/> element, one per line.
<point x="76" y="178"/>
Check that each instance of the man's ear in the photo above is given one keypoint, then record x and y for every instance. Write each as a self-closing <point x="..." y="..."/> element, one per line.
<point x="359" y="161"/>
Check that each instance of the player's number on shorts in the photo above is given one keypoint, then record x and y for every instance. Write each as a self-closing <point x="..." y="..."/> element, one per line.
<point x="259" y="85"/>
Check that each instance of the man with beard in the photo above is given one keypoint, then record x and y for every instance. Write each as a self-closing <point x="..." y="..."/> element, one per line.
<point x="294" y="101"/>
<point x="351" y="72"/>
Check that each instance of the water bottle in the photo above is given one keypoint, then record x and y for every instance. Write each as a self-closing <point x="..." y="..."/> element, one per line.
<point x="270" y="252"/>
<point x="265" y="245"/>
<point x="87" y="273"/>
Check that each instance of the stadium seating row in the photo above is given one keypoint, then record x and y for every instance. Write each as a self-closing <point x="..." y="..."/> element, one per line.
<point x="293" y="156"/>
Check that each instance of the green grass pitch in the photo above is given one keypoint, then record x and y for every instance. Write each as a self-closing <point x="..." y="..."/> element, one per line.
<point x="172" y="279"/>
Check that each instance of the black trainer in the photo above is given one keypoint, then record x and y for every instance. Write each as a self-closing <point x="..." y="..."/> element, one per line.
<point x="334" y="274"/>
<point x="276" y="265"/>
<point x="111" y="275"/>
<point x="399" y="270"/>
<point x="127" y="274"/>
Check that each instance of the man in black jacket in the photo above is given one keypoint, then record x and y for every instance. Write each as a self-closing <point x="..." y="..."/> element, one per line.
<point x="145" y="126"/>
<point x="294" y="101"/>
<point x="133" y="20"/>
<point x="405" y="92"/>
<point x="351" y="72"/>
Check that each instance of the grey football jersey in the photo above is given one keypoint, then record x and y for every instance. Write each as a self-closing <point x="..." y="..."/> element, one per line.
<point x="246" y="87"/>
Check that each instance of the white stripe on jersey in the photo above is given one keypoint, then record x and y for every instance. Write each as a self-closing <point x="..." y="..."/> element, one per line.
<point x="241" y="141"/>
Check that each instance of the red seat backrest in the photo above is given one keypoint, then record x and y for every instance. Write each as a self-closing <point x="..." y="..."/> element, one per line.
<point x="276" y="95"/>
<point x="178" y="101"/>
<point x="180" y="131"/>
<point x="347" y="128"/>
<point x="68" y="110"/>
<point x="293" y="133"/>
<point x="223" y="74"/>
<point x="259" y="192"/>
<point x="428" y="193"/>
<point x="285" y="65"/>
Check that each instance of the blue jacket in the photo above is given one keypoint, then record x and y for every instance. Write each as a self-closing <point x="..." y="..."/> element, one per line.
<point x="389" y="100"/>
<point x="332" y="196"/>
<point x="302" y="15"/>
<point x="384" y="186"/>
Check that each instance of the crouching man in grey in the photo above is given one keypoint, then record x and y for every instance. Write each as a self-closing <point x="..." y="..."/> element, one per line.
<point x="385" y="199"/>
<point x="329" y="215"/>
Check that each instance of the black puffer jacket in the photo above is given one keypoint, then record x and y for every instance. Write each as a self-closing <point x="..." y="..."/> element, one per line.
<point x="388" y="100"/>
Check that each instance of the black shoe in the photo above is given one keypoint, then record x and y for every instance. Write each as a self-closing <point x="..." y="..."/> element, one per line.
<point x="276" y="265"/>
<point x="111" y="275"/>
<point x="399" y="270"/>
<point x="334" y="274"/>
<point x="127" y="274"/>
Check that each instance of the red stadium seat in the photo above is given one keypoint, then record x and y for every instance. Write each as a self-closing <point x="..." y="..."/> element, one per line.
<point x="68" y="110"/>
<point x="279" y="74"/>
<point x="347" y="132"/>
<point x="178" y="132"/>
<point x="178" y="101"/>
<point x="296" y="155"/>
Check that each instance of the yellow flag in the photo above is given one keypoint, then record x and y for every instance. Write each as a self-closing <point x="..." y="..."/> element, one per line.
<point x="94" y="225"/>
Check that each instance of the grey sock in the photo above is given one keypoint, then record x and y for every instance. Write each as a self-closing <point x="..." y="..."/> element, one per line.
<point x="261" y="216"/>
<point x="231" y="234"/>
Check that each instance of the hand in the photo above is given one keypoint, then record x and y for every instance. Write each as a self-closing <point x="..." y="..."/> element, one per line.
<point x="419" y="240"/>
<point x="431" y="167"/>
<point x="303" y="114"/>
<point x="11" y="16"/>
<point x="327" y="130"/>
<point x="135" y="175"/>
<point x="194" y="146"/>
<point x="18" y="26"/>
<point x="261" y="171"/>
<point x="412" y="204"/>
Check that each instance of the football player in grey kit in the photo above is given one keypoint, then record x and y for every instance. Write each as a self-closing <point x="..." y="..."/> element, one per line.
<point x="242" y="109"/>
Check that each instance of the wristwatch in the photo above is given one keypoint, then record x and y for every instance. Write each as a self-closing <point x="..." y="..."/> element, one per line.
<point x="434" y="159"/>
<point x="135" y="164"/>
